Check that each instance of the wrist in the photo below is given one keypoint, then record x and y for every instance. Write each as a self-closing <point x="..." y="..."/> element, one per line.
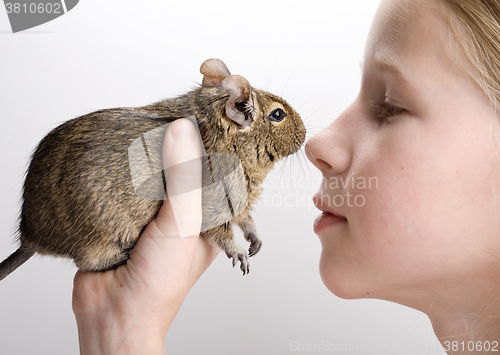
<point x="105" y="334"/>
<point x="113" y="321"/>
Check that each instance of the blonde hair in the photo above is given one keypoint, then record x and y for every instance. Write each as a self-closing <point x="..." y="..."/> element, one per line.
<point x="475" y="25"/>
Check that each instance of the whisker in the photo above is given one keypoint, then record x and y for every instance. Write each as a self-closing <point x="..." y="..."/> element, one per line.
<point x="293" y="72"/>
<point x="281" y="170"/>
<point x="301" y="164"/>
<point x="269" y="76"/>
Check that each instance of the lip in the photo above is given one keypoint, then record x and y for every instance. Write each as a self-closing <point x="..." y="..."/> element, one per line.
<point x="327" y="220"/>
<point x="320" y="205"/>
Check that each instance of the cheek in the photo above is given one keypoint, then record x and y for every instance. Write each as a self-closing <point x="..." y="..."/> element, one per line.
<point x="377" y="246"/>
<point x="391" y="221"/>
<point x="384" y="242"/>
<point x="392" y="225"/>
<point x="431" y="210"/>
<point x="393" y="230"/>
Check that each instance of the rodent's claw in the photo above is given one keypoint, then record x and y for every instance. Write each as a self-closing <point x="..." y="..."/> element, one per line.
<point x="255" y="243"/>
<point x="242" y="257"/>
<point x="254" y="248"/>
<point x="244" y="265"/>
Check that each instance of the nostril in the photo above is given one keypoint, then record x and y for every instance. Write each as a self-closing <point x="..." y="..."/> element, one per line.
<point x="323" y="165"/>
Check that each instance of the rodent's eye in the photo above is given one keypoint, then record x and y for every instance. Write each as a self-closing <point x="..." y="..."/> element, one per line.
<point x="277" y="115"/>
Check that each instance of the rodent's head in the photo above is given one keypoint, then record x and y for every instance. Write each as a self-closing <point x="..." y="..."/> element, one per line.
<point x="276" y="120"/>
<point x="264" y="126"/>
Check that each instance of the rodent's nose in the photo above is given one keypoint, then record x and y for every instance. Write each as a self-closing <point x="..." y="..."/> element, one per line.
<point x="298" y="141"/>
<point x="302" y="135"/>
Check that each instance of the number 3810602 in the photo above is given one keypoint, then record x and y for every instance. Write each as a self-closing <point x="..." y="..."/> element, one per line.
<point x="33" y="8"/>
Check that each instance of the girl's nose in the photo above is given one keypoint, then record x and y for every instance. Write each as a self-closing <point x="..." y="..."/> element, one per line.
<point x="330" y="149"/>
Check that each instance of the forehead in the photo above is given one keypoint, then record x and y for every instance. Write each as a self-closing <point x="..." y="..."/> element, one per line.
<point x="404" y="30"/>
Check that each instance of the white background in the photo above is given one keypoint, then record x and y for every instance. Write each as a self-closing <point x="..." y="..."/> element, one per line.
<point x="116" y="53"/>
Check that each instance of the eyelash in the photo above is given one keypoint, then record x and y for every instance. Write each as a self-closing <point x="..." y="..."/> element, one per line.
<point x="383" y="110"/>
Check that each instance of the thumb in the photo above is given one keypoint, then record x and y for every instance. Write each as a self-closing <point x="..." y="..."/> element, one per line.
<point x="181" y="214"/>
<point x="160" y="246"/>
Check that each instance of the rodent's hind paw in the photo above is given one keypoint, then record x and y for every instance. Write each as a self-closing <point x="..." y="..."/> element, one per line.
<point x="255" y="243"/>
<point x="242" y="257"/>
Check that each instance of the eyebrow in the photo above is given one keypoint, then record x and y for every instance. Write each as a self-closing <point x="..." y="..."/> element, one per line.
<point x="385" y="64"/>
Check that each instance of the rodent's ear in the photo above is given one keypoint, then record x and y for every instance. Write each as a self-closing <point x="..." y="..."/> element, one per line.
<point x="214" y="71"/>
<point x="240" y="92"/>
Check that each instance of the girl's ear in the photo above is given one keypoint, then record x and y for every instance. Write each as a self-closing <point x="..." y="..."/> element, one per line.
<point x="215" y="73"/>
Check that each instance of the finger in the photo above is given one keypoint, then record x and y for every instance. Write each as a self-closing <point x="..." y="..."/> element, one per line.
<point x="182" y="165"/>
<point x="160" y="249"/>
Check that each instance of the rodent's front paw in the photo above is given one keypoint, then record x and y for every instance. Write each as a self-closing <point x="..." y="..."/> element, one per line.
<point x="241" y="256"/>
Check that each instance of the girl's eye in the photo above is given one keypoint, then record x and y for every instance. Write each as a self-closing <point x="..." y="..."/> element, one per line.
<point x="277" y="115"/>
<point x="384" y="110"/>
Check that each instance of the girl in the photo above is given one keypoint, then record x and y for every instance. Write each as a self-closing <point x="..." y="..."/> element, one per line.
<point x="425" y="126"/>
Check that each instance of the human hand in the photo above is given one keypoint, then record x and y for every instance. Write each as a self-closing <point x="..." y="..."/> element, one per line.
<point x="128" y="310"/>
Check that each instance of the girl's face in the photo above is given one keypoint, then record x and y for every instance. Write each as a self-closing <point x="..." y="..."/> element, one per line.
<point x="412" y="166"/>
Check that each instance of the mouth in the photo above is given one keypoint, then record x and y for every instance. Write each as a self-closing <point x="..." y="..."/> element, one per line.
<point x="320" y="204"/>
<point x="329" y="218"/>
<point x="298" y="141"/>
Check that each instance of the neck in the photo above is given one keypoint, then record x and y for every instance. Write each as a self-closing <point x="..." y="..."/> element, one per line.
<point x="465" y="328"/>
<point x="465" y="313"/>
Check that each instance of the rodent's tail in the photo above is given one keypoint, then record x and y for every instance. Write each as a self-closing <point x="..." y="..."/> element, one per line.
<point x="15" y="260"/>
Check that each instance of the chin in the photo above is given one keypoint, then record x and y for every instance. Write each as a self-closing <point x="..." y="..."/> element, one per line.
<point x="341" y="284"/>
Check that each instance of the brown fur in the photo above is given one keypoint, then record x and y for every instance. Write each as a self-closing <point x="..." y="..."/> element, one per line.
<point x="79" y="200"/>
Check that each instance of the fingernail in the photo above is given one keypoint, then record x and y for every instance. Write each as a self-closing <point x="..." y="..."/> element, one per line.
<point x="183" y="130"/>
